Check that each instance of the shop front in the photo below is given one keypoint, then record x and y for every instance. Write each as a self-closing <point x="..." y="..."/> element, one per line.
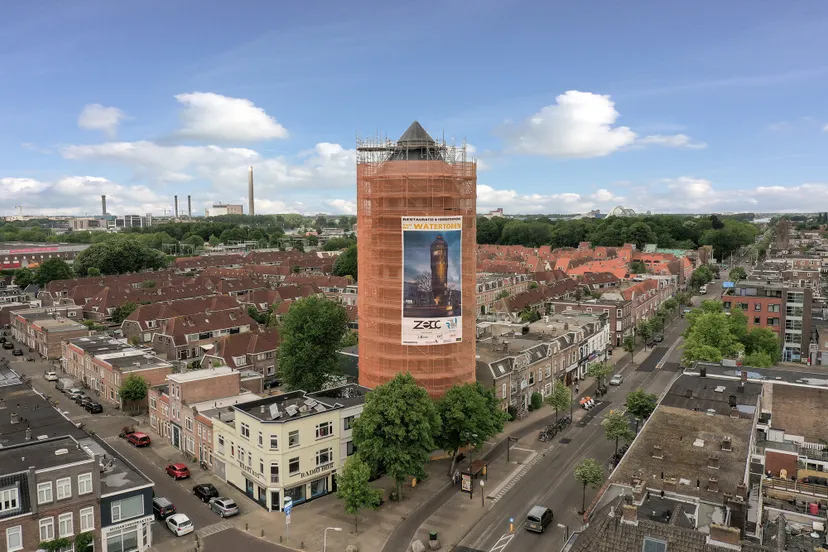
<point x="131" y="536"/>
<point x="314" y="484"/>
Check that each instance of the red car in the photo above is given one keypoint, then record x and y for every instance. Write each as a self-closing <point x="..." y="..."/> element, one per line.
<point x="139" y="439"/>
<point x="178" y="471"/>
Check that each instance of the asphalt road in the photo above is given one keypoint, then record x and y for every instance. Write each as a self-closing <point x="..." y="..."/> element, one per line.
<point x="234" y="539"/>
<point x="551" y="482"/>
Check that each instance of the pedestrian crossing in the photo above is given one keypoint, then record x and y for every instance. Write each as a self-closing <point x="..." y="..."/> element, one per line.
<point x="503" y="542"/>
<point x="213" y="529"/>
<point x="111" y="439"/>
<point x="526" y="467"/>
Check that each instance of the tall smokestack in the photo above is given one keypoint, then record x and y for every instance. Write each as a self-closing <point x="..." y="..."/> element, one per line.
<point x="103" y="205"/>
<point x="176" y="206"/>
<point x="189" y="207"/>
<point x="250" y="210"/>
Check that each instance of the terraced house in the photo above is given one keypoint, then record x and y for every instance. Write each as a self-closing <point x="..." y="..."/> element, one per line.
<point x="185" y="338"/>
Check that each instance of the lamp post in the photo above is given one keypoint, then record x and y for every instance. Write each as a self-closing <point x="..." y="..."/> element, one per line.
<point x="325" y="537"/>
<point x="469" y="437"/>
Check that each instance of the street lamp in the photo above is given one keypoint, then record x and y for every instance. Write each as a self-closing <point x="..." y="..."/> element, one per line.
<point x="325" y="537"/>
<point x="469" y="437"/>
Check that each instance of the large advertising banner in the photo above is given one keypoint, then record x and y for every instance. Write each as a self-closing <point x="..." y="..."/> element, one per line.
<point x="432" y="269"/>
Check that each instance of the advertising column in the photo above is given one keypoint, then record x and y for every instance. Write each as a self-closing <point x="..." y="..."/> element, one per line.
<point x="432" y="269"/>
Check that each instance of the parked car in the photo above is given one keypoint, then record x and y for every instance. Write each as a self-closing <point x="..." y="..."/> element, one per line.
<point x="537" y="520"/>
<point x="2" y="339"/>
<point x="178" y="471"/>
<point x="74" y="392"/>
<point x="81" y="398"/>
<point x="92" y="407"/>
<point x="616" y="379"/>
<point x="18" y="352"/>
<point x="658" y="338"/>
<point x="139" y="439"/>
<point x="224" y="507"/>
<point x="50" y="376"/>
<point x="180" y="524"/>
<point x="162" y="508"/>
<point x="8" y="345"/>
<point x="205" y="492"/>
<point x="63" y="384"/>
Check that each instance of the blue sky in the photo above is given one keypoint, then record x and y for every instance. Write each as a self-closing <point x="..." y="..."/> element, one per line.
<point x="667" y="106"/>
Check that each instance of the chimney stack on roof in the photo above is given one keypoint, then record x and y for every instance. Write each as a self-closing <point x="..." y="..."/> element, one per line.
<point x="727" y="535"/>
<point x="629" y="514"/>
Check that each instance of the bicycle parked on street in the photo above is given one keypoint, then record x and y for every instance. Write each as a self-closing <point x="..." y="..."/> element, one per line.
<point x="549" y="433"/>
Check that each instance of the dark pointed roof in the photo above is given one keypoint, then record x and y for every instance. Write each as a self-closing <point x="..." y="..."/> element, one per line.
<point x="415" y="134"/>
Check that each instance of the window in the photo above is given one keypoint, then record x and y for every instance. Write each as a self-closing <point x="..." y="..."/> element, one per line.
<point x="64" y="488"/>
<point x="245" y="430"/>
<point x="84" y="483"/>
<point x="261" y="465"/>
<point x="261" y="439"/>
<point x="540" y="374"/>
<point x="249" y="459"/>
<point x="153" y="403"/>
<point x="188" y="423"/>
<point x="66" y="526"/>
<point x="87" y="519"/>
<point x="757" y="307"/>
<point x="653" y="545"/>
<point x="221" y="444"/>
<point x="47" y="529"/>
<point x="531" y="378"/>
<point x="274" y="442"/>
<point x="293" y="465"/>
<point x="128" y="508"/>
<point x="349" y="448"/>
<point x="773" y="308"/>
<point x="349" y="422"/>
<point x="293" y="438"/>
<point x="323" y="430"/>
<point x="503" y="393"/>
<point x="323" y="457"/>
<point x="274" y="472"/>
<point x="549" y="371"/>
<point x="271" y="370"/>
<point x="9" y="500"/>
<point x="44" y="492"/>
<point x="14" y="538"/>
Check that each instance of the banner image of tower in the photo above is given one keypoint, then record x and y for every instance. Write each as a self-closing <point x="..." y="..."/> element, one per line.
<point x="432" y="286"/>
<point x="416" y="214"/>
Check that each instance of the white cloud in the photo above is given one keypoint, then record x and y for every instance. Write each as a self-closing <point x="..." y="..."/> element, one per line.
<point x="672" y="141"/>
<point x="14" y="188"/>
<point x="99" y="117"/>
<point x="825" y="128"/>
<point x="471" y="153"/>
<point x="513" y="202"/>
<point x="342" y="206"/>
<point x="581" y="125"/>
<point x="212" y="117"/>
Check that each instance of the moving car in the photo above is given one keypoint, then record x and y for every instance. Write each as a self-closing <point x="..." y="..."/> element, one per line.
<point x="139" y="439"/>
<point x="50" y="376"/>
<point x="92" y="407"/>
<point x="178" y="471"/>
<point x="205" y="492"/>
<point x="162" y="508"/>
<point x="224" y="507"/>
<point x="658" y="338"/>
<point x="8" y="345"/>
<point x="537" y="520"/>
<point x="180" y="524"/>
<point x="616" y="379"/>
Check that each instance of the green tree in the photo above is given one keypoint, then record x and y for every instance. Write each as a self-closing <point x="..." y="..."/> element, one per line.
<point x="133" y="389"/>
<point x="121" y="313"/>
<point x="638" y="267"/>
<point x="644" y="330"/>
<point x="23" y="277"/>
<point x="763" y="340"/>
<point x="346" y="263"/>
<point x="710" y="338"/>
<point x="119" y="255"/>
<point x="737" y="273"/>
<point x="93" y="272"/>
<point x="54" y="269"/>
<point x="641" y="404"/>
<point x="337" y="244"/>
<point x="470" y="414"/>
<point x="350" y="339"/>
<point x="758" y="359"/>
<point x="599" y="371"/>
<point x="560" y="398"/>
<point x="640" y="233"/>
<point x="701" y="276"/>
<point x="588" y="473"/>
<point x="395" y="433"/>
<point x="503" y="294"/>
<point x="354" y="488"/>
<point x="311" y="334"/>
<point x="617" y="428"/>
<point x="670" y="306"/>
<point x="214" y="240"/>
<point x="629" y="346"/>
<point x="195" y="241"/>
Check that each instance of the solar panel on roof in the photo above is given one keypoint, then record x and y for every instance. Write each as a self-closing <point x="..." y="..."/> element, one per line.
<point x="274" y="411"/>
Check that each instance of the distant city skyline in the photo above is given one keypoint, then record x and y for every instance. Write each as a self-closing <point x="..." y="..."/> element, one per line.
<point x="716" y="107"/>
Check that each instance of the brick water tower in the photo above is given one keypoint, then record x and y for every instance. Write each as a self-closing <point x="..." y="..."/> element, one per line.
<point x="416" y="214"/>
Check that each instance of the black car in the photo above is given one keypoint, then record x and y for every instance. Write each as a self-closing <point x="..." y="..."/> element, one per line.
<point x="18" y="352"/>
<point x="205" y="492"/>
<point x="8" y="345"/>
<point x="81" y="398"/>
<point x="92" y="407"/>
<point x="162" y="508"/>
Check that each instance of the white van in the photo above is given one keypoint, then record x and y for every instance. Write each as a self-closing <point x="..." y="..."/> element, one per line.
<point x="703" y="289"/>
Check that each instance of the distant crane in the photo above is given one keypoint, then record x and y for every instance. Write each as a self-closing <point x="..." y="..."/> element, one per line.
<point x="21" y="207"/>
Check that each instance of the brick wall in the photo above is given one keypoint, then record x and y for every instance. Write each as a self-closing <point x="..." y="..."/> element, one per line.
<point x="210" y="388"/>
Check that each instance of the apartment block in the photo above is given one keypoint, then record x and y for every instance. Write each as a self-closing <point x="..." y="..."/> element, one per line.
<point x="43" y="331"/>
<point x="102" y="363"/>
<point x="288" y="445"/>
<point x="782" y="308"/>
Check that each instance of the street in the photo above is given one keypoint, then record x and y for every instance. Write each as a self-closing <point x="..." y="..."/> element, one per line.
<point x="551" y="482"/>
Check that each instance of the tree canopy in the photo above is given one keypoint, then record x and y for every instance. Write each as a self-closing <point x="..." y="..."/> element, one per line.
<point x="641" y="404"/>
<point x="589" y="473"/>
<point x="311" y="333"/>
<point x="24" y="276"/>
<point x="395" y="433"/>
<point x="119" y="256"/>
<point x="354" y="489"/>
<point x="121" y="313"/>
<point x="469" y="414"/>
<point x="737" y="273"/>
<point x="560" y="398"/>
<point x="53" y="269"/>
<point x="617" y="428"/>
<point x="346" y="263"/>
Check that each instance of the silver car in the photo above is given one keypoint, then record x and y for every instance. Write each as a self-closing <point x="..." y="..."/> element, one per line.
<point x="223" y="506"/>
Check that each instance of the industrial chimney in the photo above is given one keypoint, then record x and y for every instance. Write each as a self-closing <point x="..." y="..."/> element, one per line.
<point x="176" y="206"/>
<point x="189" y="207"/>
<point x="250" y="210"/>
<point x="103" y="205"/>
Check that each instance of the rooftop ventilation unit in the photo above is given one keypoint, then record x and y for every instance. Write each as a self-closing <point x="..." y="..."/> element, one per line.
<point x="720" y="389"/>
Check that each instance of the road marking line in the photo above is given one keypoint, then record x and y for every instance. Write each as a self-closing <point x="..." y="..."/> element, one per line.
<point x="523" y="449"/>
<point x="500" y="545"/>
<point x="213" y="529"/>
<point x="498" y="493"/>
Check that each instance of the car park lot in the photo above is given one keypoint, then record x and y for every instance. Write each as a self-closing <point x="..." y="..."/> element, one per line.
<point x="108" y="425"/>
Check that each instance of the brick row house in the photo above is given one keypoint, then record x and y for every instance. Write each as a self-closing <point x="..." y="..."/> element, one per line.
<point x="102" y="363"/>
<point x="185" y="338"/>
<point x="493" y="287"/>
<point x="140" y="326"/>
<point x="538" y="299"/>
<point x="42" y="329"/>
<point x="256" y="351"/>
